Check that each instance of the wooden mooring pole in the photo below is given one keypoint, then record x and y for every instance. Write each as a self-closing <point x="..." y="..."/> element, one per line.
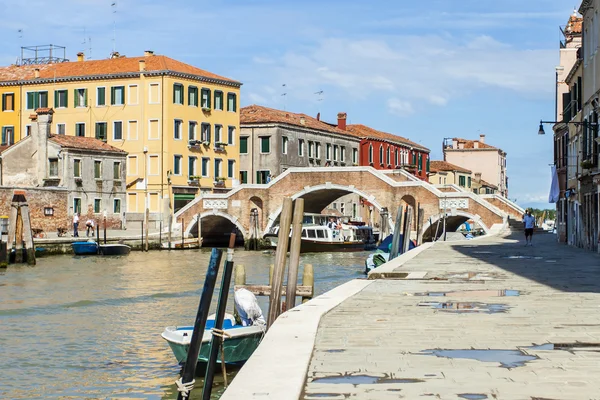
<point x="408" y="222"/>
<point x="397" y="231"/>
<point x="170" y="227"/>
<point x="147" y="226"/>
<point x="292" y="280"/>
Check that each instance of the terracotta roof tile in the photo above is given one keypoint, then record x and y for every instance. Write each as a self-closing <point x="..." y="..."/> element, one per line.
<point x="255" y="114"/>
<point x="83" y="143"/>
<point x="363" y="131"/>
<point x="485" y="183"/>
<point x="111" y="66"/>
<point x="470" y="144"/>
<point x="574" y="25"/>
<point x="437" y="166"/>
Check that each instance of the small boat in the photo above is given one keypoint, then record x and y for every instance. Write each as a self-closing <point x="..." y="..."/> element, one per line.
<point x="317" y="236"/>
<point x="191" y="243"/>
<point x="114" y="249"/>
<point x="382" y="255"/>
<point x="239" y="344"/>
<point x="85" y="248"/>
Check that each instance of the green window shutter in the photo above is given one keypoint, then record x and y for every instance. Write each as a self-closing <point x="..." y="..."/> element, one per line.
<point x="75" y="98"/>
<point x="427" y="164"/>
<point x="3" y="102"/>
<point x="123" y="100"/>
<point x="174" y="93"/>
<point x="85" y="96"/>
<point x="258" y="177"/>
<point x="30" y="100"/>
<point x="36" y="100"/>
<point x="243" y="145"/>
<point x="55" y="99"/>
<point x="112" y="95"/>
<point x="101" y="96"/>
<point x="208" y="102"/>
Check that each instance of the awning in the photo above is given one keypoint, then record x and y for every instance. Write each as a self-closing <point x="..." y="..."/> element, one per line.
<point x="183" y="196"/>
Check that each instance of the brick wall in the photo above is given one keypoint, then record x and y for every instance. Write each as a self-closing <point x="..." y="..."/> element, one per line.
<point x="38" y="200"/>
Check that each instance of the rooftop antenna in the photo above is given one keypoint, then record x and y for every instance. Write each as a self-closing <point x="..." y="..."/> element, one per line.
<point x="114" y="11"/>
<point x="20" y="34"/>
<point x="87" y="40"/>
<point x="319" y="99"/>
<point x="284" y="94"/>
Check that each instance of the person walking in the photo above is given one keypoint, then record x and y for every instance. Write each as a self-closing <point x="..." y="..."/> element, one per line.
<point x="90" y="227"/>
<point x="529" y="222"/>
<point x="75" y="224"/>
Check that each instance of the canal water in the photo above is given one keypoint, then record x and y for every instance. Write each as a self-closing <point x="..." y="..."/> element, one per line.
<point x="89" y="327"/>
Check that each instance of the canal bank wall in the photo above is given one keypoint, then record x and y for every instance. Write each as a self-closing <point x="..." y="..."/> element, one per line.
<point x="489" y="318"/>
<point x="62" y="245"/>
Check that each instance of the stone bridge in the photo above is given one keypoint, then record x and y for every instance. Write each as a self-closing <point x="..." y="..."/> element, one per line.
<point x="220" y="214"/>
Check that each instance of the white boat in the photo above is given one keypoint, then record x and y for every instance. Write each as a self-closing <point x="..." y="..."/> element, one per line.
<point x="190" y="243"/>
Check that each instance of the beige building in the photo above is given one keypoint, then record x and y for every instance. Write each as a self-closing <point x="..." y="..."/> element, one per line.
<point x="444" y="173"/>
<point x="479" y="157"/>
<point x="482" y="187"/>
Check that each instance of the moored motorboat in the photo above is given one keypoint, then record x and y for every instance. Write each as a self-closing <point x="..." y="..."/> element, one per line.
<point x="89" y="247"/>
<point x="191" y="243"/>
<point x="114" y="249"/>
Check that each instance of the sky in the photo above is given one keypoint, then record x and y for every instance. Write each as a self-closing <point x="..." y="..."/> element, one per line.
<point x="424" y="70"/>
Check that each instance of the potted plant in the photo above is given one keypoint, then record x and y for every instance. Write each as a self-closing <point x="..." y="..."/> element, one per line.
<point x="206" y="142"/>
<point x="220" y="144"/>
<point x="205" y="108"/>
<point x="219" y="181"/>
<point x="194" y="179"/>
<point x="587" y="164"/>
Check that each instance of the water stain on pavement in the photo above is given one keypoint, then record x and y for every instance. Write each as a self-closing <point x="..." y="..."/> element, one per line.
<point x="471" y="293"/>
<point x="506" y="358"/>
<point x="363" y="379"/>
<point x="466" y="307"/>
<point x="472" y="396"/>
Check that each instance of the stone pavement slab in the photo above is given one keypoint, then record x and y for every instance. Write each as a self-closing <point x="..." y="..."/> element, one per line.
<point x="385" y="341"/>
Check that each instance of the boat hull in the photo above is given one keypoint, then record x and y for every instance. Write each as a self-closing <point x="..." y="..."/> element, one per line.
<point x="114" y="249"/>
<point x="84" y="248"/>
<point x="319" y="246"/>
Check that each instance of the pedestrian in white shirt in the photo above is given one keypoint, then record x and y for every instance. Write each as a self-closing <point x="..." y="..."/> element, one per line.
<point x="529" y="222"/>
<point x="90" y="227"/>
<point x="75" y="224"/>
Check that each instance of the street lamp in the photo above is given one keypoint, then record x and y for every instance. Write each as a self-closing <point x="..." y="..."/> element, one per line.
<point x="576" y="123"/>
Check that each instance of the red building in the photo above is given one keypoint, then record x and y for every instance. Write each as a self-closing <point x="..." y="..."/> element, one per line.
<point x="382" y="150"/>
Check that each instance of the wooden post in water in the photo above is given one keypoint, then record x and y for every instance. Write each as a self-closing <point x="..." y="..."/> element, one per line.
<point x="27" y="235"/>
<point x="104" y="229"/>
<point x="420" y="221"/>
<point x="160" y="234"/>
<point x="217" y="339"/>
<point x="280" y="258"/>
<point x="308" y="279"/>
<point x="19" y="238"/>
<point x="397" y="232"/>
<point x="147" y="225"/>
<point x="240" y="275"/>
<point x="12" y="231"/>
<point x="97" y="236"/>
<point x="271" y="269"/>
<point x="407" y="229"/>
<point x="199" y="225"/>
<point x="189" y="369"/>
<point x="182" y="236"/>
<point x="170" y="221"/>
<point x="3" y="254"/>
<point x="142" y="243"/>
<point x="292" y="280"/>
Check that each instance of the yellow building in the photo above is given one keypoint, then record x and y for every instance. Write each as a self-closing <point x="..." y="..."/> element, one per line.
<point x="444" y="173"/>
<point x="179" y="123"/>
<point x="10" y="115"/>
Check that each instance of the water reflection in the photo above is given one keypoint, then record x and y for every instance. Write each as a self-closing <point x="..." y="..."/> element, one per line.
<point x="90" y="327"/>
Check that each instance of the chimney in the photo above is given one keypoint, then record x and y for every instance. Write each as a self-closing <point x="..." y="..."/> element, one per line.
<point x="318" y="116"/>
<point x="40" y="131"/>
<point x="36" y="72"/>
<point x="342" y="121"/>
<point x="115" y="54"/>
<point x="478" y="176"/>
<point x="142" y="65"/>
<point x="302" y="121"/>
<point x="461" y="145"/>
<point x="148" y="53"/>
<point x="80" y="56"/>
<point x="476" y="144"/>
<point x="482" y="138"/>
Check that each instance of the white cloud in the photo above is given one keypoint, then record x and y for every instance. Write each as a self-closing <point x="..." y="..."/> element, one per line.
<point x="255" y="98"/>
<point x="400" y="107"/>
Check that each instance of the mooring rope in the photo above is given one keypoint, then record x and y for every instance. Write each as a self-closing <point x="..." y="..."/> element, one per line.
<point x="185" y="388"/>
<point x="222" y="334"/>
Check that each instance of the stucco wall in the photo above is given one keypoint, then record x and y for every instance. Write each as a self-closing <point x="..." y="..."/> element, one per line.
<point x="38" y="199"/>
<point x="484" y="161"/>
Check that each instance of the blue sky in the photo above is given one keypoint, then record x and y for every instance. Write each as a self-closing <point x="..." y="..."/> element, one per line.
<point x="423" y="70"/>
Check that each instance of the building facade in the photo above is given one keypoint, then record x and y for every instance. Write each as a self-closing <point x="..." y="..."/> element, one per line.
<point x="482" y="187"/>
<point x="179" y="124"/>
<point x="91" y="171"/>
<point x="479" y="157"/>
<point x="444" y="173"/>
<point x="10" y="115"/>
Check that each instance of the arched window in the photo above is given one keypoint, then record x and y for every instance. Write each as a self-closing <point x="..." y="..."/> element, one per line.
<point x="388" y="157"/>
<point x="380" y="154"/>
<point x="370" y="154"/>
<point x="396" y="157"/>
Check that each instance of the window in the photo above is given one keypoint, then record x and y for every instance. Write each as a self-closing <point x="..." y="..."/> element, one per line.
<point x="265" y="144"/>
<point x="81" y="98"/>
<point x="230" y="168"/>
<point x="206" y="133"/>
<point x="61" y="129"/>
<point x="153" y="202"/>
<point x="311" y="145"/>
<point x="284" y="145"/>
<point x="320" y="233"/>
<point x="231" y="102"/>
<point x="154" y="95"/>
<point x="117" y="95"/>
<point x="396" y="157"/>
<point x="342" y="154"/>
<point x="117" y="170"/>
<point x="101" y="131"/>
<point x="192" y="166"/>
<point x="381" y="154"/>
<point x="461" y="181"/>
<point x="48" y="211"/>
<point x="371" y="154"/>
<point x="193" y="96"/>
<point x="177" y="93"/>
<point x="205" y="166"/>
<point x="218" y="168"/>
<point x="328" y="152"/>
<point x="177" y="165"/>
<point x="244" y="176"/>
<point x="153" y="165"/>
<point x="354" y="210"/>
<point x="100" y="96"/>
<point x="318" y="150"/>
<point x="60" y="99"/>
<point x="243" y="144"/>
<point x="355" y="156"/>
<point x="311" y="233"/>
<point x="76" y="168"/>
<point x="36" y="100"/>
<point x="388" y="157"/>
<point x="117" y="206"/>
<point x="301" y="147"/>
<point x="117" y="130"/>
<point x="218" y="100"/>
<point x="97" y="206"/>
<point x="231" y="135"/>
<point x="97" y="169"/>
<point x="192" y="128"/>
<point x="177" y="129"/>
<point x="8" y="102"/>
<point x="53" y="167"/>
<point x="335" y="152"/>
<point x="153" y="129"/>
<point x="8" y="136"/>
<point x="76" y="205"/>
<point x="132" y="95"/>
<point x="27" y="130"/>
<point x="206" y="98"/>
<point x="261" y="176"/>
<point x="469" y="181"/>
<point x="80" y="129"/>
<point x="132" y="130"/>
<point x="218" y="130"/>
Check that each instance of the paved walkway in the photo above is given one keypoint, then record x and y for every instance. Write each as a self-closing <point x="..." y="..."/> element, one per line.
<point x="383" y="342"/>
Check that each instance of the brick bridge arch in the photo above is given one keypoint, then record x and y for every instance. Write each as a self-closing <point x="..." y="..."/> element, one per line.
<point x="321" y="186"/>
<point x="453" y="221"/>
